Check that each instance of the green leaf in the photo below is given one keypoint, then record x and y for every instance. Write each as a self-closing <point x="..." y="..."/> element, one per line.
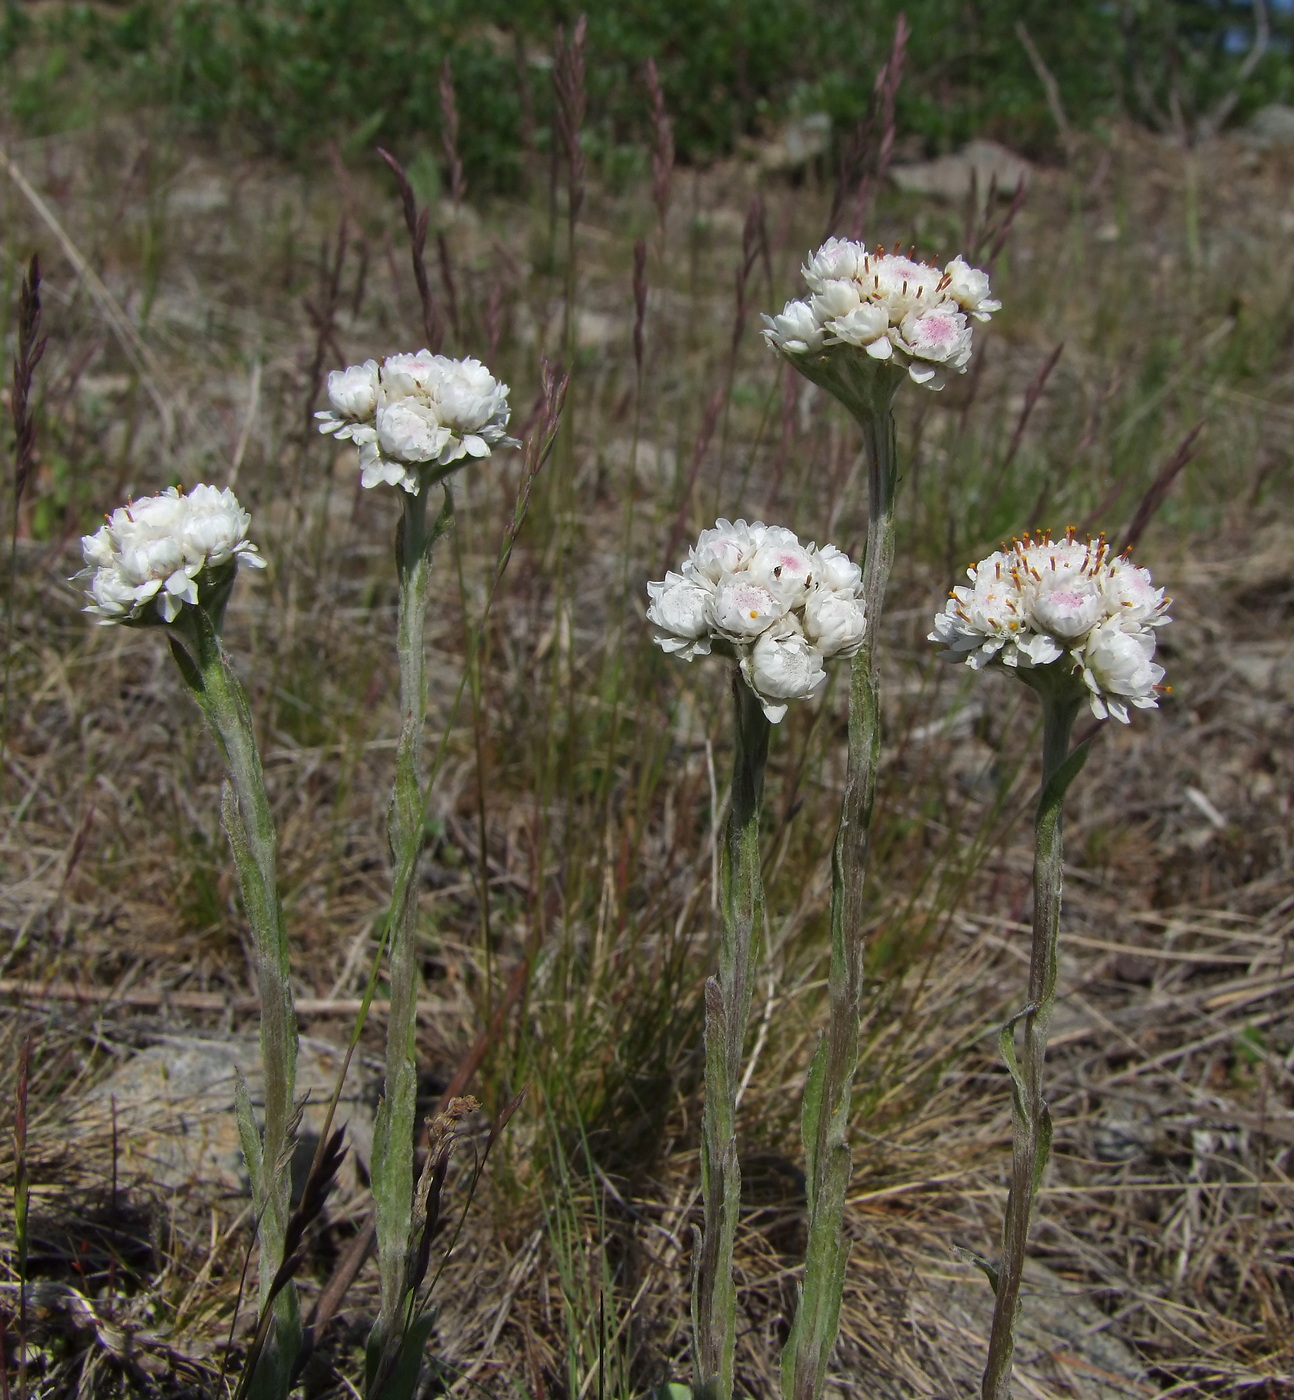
<point x="1006" y="1044"/>
<point x="1054" y="793"/>
<point x="810" y="1117"/>
<point x="990" y="1270"/>
<point x="192" y="676"/>
<point x="397" y="1379"/>
<point x="249" y="1135"/>
<point x="1044" y="1147"/>
<point x="357" y="142"/>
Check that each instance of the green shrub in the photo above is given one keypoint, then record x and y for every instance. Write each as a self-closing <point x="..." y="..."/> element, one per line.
<point x="290" y="74"/>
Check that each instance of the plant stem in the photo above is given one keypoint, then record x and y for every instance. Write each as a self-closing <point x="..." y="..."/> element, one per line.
<point x="828" y="1088"/>
<point x="393" y="1131"/>
<point x="727" y="1009"/>
<point x="252" y="838"/>
<point x="1030" y="1119"/>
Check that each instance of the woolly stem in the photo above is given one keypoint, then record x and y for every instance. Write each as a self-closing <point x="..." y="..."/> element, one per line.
<point x="727" y="1009"/>
<point x="1030" y="1119"/>
<point x="829" y="1086"/>
<point x="249" y="824"/>
<point x="392" y="1163"/>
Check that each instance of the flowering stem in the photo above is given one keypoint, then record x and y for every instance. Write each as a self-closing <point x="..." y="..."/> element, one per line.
<point x="393" y="1131"/>
<point x="1030" y="1119"/>
<point x="727" y="1009"/>
<point x="827" y="1091"/>
<point x="250" y="826"/>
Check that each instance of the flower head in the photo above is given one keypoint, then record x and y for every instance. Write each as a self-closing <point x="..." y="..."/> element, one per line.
<point x="416" y="415"/>
<point x="1066" y="604"/>
<point x="159" y="553"/>
<point x="722" y="550"/>
<point x="888" y="306"/>
<point x="783" y="665"/>
<point x="755" y="593"/>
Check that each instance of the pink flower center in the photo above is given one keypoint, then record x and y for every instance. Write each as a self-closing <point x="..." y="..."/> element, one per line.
<point x="937" y="330"/>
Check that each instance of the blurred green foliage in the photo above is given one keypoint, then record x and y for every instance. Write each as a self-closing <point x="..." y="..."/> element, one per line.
<point x="289" y="74"/>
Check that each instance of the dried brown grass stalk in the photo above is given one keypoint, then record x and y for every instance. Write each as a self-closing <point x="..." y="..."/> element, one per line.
<point x="662" y="154"/>
<point x="31" y="347"/>
<point x="865" y="161"/>
<point x="322" y="309"/>
<point x="640" y="302"/>
<point x="1157" y="491"/>
<point x="449" y="133"/>
<point x="1031" y="396"/>
<point x="415" y="221"/>
<point x="572" y="104"/>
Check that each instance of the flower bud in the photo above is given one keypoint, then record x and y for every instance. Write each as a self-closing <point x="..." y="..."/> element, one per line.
<point x="1119" y="672"/>
<point x="968" y="287"/>
<point x="796" y="331"/>
<point x="353" y="392"/>
<point x="721" y="550"/>
<point x="835" y="623"/>
<point x="783" y="665"/>
<point x="680" y="609"/>
<point x="836" y="571"/>
<point x="785" y="569"/>
<point x="410" y="432"/>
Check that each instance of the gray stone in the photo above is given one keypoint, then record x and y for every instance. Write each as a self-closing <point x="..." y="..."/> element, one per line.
<point x="1064" y="1343"/>
<point x="800" y="141"/>
<point x="174" y="1110"/>
<point x="1270" y="127"/>
<point x="977" y="165"/>
<point x="1264" y="668"/>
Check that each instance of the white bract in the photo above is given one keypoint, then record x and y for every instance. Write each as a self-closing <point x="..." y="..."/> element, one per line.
<point x="1064" y="603"/>
<point x="148" y="560"/>
<point x="416" y="415"/>
<point x="755" y="593"/>
<point x="886" y="305"/>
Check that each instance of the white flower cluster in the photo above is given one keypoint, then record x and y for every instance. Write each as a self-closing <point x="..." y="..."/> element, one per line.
<point x="149" y="556"/>
<point x="413" y="413"/>
<point x="887" y="305"/>
<point x="754" y="592"/>
<point x="1046" y="601"/>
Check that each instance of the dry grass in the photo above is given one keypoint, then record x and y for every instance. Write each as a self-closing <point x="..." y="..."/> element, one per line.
<point x="1165" y="1233"/>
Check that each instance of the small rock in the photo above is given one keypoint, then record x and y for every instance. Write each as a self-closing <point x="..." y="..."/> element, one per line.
<point x="1065" y="1344"/>
<point x="206" y="194"/>
<point x="174" y="1110"/>
<point x="800" y="141"/>
<point x="1265" y="668"/>
<point x="595" y="330"/>
<point x="976" y="166"/>
<point x="1270" y="127"/>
